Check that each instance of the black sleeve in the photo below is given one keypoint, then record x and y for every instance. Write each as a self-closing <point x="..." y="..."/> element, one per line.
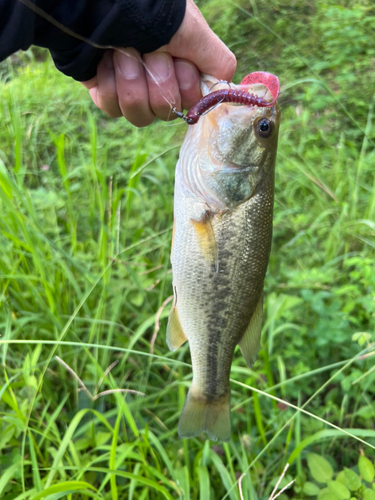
<point x="145" y="25"/>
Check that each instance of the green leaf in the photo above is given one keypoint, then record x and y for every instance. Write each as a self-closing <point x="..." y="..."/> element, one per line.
<point x="66" y="486"/>
<point x="328" y="434"/>
<point x="310" y="489"/>
<point x="361" y="337"/>
<point x="66" y="440"/>
<point x="5" y="183"/>
<point x="35" y="468"/>
<point x="352" y="480"/>
<point x="369" y="494"/>
<point x="341" y="477"/>
<point x="182" y="475"/>
<point x="164" y="455"/>
<point x="356" y="336"/>
<point x="224" y="474"/>
<point x="326" y="494"/>
<point x="320" y="468"/>
<point x="32" y="382"/>
<point x="65" y="494"/>
<point x="7" y="475"/>
<point x="204" y="482"/>
<point x="112" y="457"/>
<point x="285" y="480"/>
<point x="339" y="489"/>
<point x="139" y="479"/>
<point x="366" y="469"/>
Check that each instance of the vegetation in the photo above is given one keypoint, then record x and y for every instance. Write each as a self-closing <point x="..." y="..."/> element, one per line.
<point x="85" y="231"/>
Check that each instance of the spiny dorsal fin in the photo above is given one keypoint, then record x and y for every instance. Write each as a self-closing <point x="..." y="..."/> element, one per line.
<point x="206" y="239"/>
<point x="249" y="343"/>
<point x="175" y="333"/>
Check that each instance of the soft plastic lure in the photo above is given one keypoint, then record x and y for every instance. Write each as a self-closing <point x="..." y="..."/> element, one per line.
<point x="236" y="96"/>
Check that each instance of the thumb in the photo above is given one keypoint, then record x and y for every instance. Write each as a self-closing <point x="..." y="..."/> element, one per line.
<point x="195" y="41"/>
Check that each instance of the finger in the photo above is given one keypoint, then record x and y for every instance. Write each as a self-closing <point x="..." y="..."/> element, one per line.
<point x="188" y="78"/>
<point x="92" y="86"/>
<point x="162" y="84"/>
<point x="195" y="41"/>
<point x="132" y="87"/>
<point x="105" y="94"/>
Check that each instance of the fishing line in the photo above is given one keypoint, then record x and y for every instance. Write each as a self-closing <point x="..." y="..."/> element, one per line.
<point x="40" y="12"/>
<point x="170" y="101"/>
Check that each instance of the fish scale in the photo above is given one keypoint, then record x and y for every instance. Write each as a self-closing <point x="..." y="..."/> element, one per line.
<point x="222" y="240"/>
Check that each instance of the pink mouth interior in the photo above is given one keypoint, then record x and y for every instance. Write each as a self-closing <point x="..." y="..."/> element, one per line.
<point x="267" y="79"/>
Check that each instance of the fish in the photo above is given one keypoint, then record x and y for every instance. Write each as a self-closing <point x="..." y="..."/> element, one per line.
<point x="223" y="211"/>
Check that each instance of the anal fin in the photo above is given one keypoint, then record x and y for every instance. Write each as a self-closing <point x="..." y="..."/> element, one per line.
<point x="250" y="341"/>
<point x="175" y="333"/>
<point x="206" y="239"/>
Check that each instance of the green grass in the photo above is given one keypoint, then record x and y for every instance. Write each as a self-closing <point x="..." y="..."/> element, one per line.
<point x="85" y="229"/>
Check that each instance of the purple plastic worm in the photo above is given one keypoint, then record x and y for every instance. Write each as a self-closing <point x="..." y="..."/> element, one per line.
<point x="224" y="95"/>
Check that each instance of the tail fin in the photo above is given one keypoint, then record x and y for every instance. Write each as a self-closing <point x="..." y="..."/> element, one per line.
<point x="200" y="415"/>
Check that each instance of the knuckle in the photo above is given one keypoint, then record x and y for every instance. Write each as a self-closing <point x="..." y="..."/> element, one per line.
<point x="141" y="122"/>
<point x="106" y="99"/>
<point x="113" y="113"/>
<point x="158" y="103"/>
<point x="109" y="106"/>
<point x="165" y="115"/>
<point x="132" y="98"/>
<point x="161" y="99"/>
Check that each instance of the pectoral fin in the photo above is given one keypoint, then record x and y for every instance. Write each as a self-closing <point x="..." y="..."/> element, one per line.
<point x="249" y="343"/>
<point x="175" y="333"/>
<point x="206" y="239"/>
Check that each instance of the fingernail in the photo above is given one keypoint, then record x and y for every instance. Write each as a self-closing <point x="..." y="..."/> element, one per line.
<point x="108" y="59"/>
<point x="160" y="66"/>
<point x="129" y="66"/>
<point x="184" y="74"/>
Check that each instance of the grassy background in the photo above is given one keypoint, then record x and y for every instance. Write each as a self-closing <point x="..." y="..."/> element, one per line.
<point x="85" y="230"/>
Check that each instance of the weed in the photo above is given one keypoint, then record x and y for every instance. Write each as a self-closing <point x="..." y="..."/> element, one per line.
<point x="90" y="395"/>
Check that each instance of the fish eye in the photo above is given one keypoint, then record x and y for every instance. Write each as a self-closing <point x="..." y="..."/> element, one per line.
<point x="264" y="127"/>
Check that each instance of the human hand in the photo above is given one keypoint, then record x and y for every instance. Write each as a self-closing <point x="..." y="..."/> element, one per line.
<point x="170" y="76"/>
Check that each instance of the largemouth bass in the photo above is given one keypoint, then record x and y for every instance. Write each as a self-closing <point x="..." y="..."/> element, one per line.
<point x="223" y="206"/>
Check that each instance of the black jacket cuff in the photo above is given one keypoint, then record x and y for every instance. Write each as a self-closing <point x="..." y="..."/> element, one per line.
<point x="145" y="25"/>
